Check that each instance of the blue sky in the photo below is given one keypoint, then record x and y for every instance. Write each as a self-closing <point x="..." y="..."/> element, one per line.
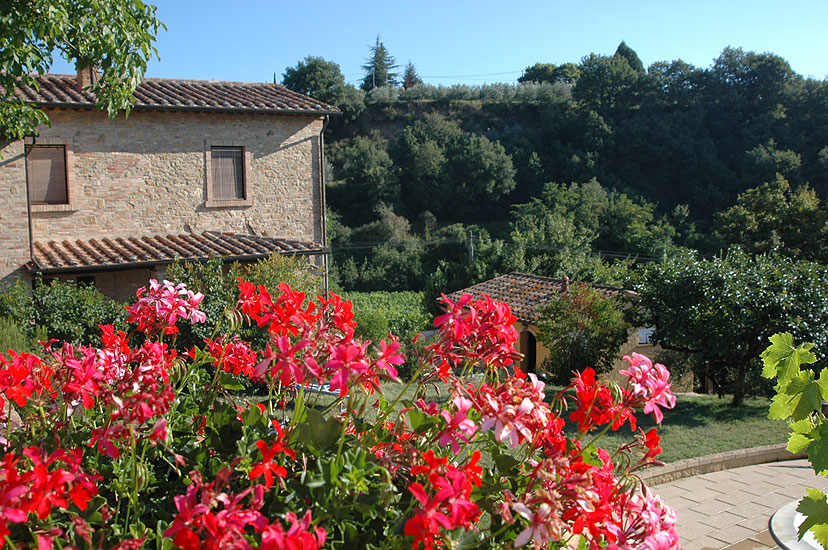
<point x="459" y="41"/>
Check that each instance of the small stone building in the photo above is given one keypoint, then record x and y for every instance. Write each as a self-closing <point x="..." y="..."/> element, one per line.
<point x="197" y="169"/>
<point x="526" y="294"/>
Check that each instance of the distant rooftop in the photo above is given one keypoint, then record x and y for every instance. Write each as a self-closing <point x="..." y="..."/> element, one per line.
<point x="526" y="293"/>
<point x="60" y="90"/>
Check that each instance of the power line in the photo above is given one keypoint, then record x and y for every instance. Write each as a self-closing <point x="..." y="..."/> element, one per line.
<point x="471" y="75"/>
<point x="466" y="76"/>
<point x="612" y="254"/>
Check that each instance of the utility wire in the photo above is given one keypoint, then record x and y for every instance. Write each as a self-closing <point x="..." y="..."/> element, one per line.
<point x="613" y="254"/>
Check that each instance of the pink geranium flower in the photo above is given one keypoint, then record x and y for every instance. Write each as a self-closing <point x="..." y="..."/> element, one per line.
<point x="459" y="427"/>
<point x="650" y="384"/>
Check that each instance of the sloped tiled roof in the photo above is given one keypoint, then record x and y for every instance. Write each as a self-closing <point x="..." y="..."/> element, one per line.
<point x="526" y="293"/>
<point x="60" y="90"/>
<point x="107" y="253"/>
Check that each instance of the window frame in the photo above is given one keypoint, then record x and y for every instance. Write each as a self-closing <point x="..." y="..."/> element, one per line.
<point x="67" y="206"/>
<point x="213" y="201"/>
<point x="644" y="336"/>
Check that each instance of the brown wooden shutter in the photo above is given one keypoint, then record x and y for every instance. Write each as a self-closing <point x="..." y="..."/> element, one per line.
<point x="228" y="172"/>
<point x="46" y="169"/>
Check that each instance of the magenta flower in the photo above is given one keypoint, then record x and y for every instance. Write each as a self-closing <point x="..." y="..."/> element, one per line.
<point x="649" y="383"/>
<point x="161" y="305"/>
<point x="459" y="427"/>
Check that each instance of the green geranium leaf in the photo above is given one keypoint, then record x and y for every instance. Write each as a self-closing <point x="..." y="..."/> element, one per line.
<point x="416" y="417"/>
<point x="815" y="509"/>
<point x="324" y="431"/>
<point x="505" y="463"/>
<point x="252" y="416"/>
<point x="230" y="382"/>
<point x="591" y="456"/>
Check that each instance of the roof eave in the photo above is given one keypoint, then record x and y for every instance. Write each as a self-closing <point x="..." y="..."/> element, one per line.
<point x="195" y="109"/>
<point x="33" y="266"/>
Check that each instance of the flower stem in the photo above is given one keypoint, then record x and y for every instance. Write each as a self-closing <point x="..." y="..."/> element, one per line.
<point x="344" y="427"/>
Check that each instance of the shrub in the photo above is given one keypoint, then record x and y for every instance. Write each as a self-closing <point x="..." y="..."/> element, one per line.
<point x="62" y="310"/>
<point x="401" y="313"/>
<point x="581" y="329"/>
<point x="12" y="336"/>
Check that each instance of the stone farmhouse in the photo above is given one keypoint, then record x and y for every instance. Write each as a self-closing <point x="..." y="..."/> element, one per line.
<point x="198" y="168"/>
<point x="526" y="294"/>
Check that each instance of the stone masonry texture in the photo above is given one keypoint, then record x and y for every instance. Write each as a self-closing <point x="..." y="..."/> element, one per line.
<point x="146" y="175"/>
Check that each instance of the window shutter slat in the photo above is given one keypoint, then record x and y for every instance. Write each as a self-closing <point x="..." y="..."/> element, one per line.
<point x="46" y="167"/>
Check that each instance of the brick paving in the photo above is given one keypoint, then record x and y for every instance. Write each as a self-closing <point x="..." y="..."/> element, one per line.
<point x="731" y="509"/>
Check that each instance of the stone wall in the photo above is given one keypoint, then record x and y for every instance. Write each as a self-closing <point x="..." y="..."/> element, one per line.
<point x="14" y="221"/>
<point x="146" y="175"/>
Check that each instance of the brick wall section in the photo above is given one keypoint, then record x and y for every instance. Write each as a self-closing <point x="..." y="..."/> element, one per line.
<point x="14" y="227"/>
<point x="145" y="175"/>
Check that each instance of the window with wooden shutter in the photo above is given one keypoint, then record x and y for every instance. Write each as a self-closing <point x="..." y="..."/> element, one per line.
<point x="227" y="165"/>
<point x="46" y="173"/>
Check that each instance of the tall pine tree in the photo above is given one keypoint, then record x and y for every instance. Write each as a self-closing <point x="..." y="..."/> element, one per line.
<point x="378" y="68"/>
<point x="410" y="76"/>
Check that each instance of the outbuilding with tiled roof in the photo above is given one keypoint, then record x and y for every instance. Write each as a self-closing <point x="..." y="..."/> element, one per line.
<point x="527" y="294"/>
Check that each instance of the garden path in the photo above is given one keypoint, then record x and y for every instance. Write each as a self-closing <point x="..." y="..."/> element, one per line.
<point x="731" y="509"/>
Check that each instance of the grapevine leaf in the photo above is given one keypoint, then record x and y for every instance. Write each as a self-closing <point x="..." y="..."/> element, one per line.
<point x="807" y="394"/>
<point x="815" y="509"/>
<point x="818" y="450"/>
<point x="798" y="442"/>
<point x="804" y="426"/>
<point x="780" y="408"/>
<point x="782" y="359"/>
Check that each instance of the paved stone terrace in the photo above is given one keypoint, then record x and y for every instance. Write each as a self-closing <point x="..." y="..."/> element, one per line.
<point x="731" y="509"/>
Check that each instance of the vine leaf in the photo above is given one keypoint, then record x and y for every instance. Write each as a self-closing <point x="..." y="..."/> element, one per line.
<point x="815" y="509"/>
<point x="781" y="359"/>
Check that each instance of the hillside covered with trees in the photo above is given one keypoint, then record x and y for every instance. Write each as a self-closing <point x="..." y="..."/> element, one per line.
<point x="601" y="169"/>
<point x="574" y="165"/>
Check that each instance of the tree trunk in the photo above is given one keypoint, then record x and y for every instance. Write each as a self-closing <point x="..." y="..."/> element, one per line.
<point x="741" y="378"/>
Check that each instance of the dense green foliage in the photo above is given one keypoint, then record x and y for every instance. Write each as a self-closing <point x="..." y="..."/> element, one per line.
<point x="323" y="80"/>
<point x="115" y="36"/>
<point x="776" y="218"/>
<point x="65" y="311"/>
<point x="402" y="314"/>
<point x="723" y="310"/>
<point x="451" y="173"/>
<point x="581" y="329"/>
<point x="14" y="337"/>
<point x="673" y="135"/>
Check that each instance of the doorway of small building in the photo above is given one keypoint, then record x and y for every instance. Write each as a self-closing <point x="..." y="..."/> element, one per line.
<point x="529" y="349"/>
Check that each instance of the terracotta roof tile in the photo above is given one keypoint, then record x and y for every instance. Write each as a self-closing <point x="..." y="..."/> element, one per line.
<point x="107" y="253"/>
<point x="57" y="90"/>
<point x="526" y="293"/>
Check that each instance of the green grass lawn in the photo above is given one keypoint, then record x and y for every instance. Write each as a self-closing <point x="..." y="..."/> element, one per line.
<point x="705" y="424"/>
